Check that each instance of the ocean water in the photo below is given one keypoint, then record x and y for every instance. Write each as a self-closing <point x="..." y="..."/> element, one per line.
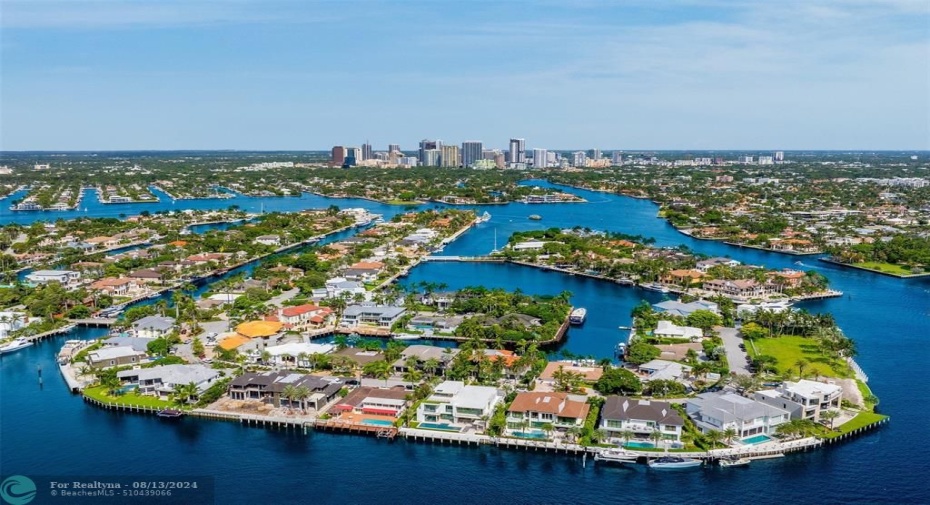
<point x="45" y="430"/>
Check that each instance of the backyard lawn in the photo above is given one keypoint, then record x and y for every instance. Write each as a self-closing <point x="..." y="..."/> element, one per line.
<point x="789" y="349"/>
<point x="861" y="419"/>
<point x="884" y="267"/>
<point x="98" y="393"/>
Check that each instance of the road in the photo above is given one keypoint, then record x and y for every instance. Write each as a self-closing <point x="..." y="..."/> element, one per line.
<point x="736" y="357"/>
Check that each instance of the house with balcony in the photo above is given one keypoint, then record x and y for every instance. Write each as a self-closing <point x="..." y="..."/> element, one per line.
<point x="63" y="277"/>
<point x="302" y="317"/>
<point x="641" y="417"/>
<point x="721" y="411"/>
<point x="107" y="357"/>
<point x="269" y="387"/>
<point x="153" y="326"/>
<point x="740" y="288"/>
<point x="374" y="401"/>
<point x="160" y="380"/>
<point x="452" y="402"/>
<point x="804" y="399"/>
<point x="531" y="411"/>
<point x="382" y="316"/>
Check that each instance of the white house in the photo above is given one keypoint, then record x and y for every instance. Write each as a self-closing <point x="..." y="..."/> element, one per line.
<point x="272" y="240"/>
<point x="453" y="402"/>
<point x="383" y="316"/>
<point x="153" y="326"/>
<point x="295" y="352"/>
<point x="11" y="321"/>
<point x="641" y="417"/>
<point x="531" y="411"/>
<point x="161" y="380"/>
<point x="805" y="399"/>
<point x="529" y="245"/>
<point x="63" y="277"/>
<point x="660" y="369"/>
<point x="668" y="329"/>
<point x="336" y="286"/>
<point x="721" y="411"/>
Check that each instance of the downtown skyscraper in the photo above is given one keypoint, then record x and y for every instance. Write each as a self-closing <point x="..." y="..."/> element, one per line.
<point x="518" y="150"/>
<point x="471" y="152"/>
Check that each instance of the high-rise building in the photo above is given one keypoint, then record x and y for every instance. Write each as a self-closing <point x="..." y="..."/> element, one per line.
<point x="579" y="159"/>
<point x="393" y="148"/>
<point x="339" y="156"/>
<point x="518" y="150"/>
<point x="353" y="156"/>
<point x="744" y="159"/>
<point x="779" y="156"/>
<point x="595" y="154"/>
<point x="499" y="160"/>
<point x="430" y="157"/>
<point x="766" y="160"/>
<point x="616" y="158"/>
<point x="472" y="151"/>
<point x="540" y="158"/>
<point x="366" y="151"/>
<point x="450" y="156"/>
<point x="426" y="145"/>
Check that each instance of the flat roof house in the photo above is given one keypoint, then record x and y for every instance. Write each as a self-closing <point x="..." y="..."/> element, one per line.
<point x="668" y="329"/>
<point x="720" y="411"/>
<point x="270" y="386"/>
<point x="641" y="417"/>
<point x="805" y="399"/>
<point x="676" y="308"/>
<point x="455" y="403"/>
<point x="376" y="401"/>
<point x="161" y="380"/>
<point x="383" y="316"/>
<point x="531" y="411"/>
<point x="63" y="277"/>
<point x="153" y="326"/>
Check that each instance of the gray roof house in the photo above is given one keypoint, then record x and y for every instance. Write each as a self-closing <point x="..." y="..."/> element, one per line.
<point x="720" y="411"/>
<point x="160" y="380"/>
<point x="677" y="308"/>
<point x="378" y="315"/>
<point x="106" y="357"/>
<point x="642" y="417"/>
<point x="153" y="326"/>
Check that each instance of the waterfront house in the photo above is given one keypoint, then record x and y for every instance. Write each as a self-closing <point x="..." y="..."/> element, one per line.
<point x="668" y="329"/>
<point x="741" y="288"/>
<point x="659" y="369"/>
<point x="301" y="317"/>
<point x="161" y="380"/>
<point x="804" y="399"/>
<point x="376" y="401"/>
<point x="116" y="286"/>
<point x="382" y="316"/>
<point x="272" y="240"/>
<point x="259" y="329"/>
<point x="295" y="353"/>
<point x="641" y="417"/>
<point x="337" y="286"/>
<point x="102" y="242"/>
<point x="683" y="278"/>
<point x="364" y="271"/>
<point x="139" y="344"/>
<point x="588" y="371"/>
<point x="705" y="265"/>
<point x="153" y="326"/>
<point x="63" y="277"/>
<point x="720" y="411"/>
<point x="149" y="276"/>
<point x="534" y="410"/>
<point x="106" y="357"/>
<point x="455" y="403"/>
<point x="269" y="387"/>
<point x="677" y="308"/>
<point x="12" y="321"/>
<point x="424" y="353"/>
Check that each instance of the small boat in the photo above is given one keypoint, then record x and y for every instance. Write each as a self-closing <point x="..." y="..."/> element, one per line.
<point x="406" y="336"/>
<point x="654" y="287"/>
<point x="615" y="456"/>
<point x="483" y="218"/>
<point x="621" y="349"/>
<point x="578" y="316"/>
<point x="15" y="345"/>
<point x="169" y="413"/>
<point x="624" y="328"/>
<point x="674" y="463"/>
<point x="734" y="461"/>
<point x="535" y="217"/>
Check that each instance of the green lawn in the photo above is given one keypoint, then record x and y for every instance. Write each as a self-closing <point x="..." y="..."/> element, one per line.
<point x="862" y="419"/>
<point x="789" y="349"/>
<point x="866" y="393"/>
<point x="98" y="393"/>
<point x="403" y="202"/>
<point x="884" y="267"/>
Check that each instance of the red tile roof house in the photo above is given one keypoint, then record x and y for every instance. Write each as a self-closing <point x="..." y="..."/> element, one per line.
<point x="300" y="317"/>
<point x="530" y="411"/>
<point x="369" y="400"/>
<point x="744" y="288"/>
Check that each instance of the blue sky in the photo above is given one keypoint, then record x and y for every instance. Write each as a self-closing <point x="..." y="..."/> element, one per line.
<point x="699" y="74"/>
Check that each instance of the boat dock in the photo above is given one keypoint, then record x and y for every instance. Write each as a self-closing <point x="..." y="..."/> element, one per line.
<point x="50" y="333"/>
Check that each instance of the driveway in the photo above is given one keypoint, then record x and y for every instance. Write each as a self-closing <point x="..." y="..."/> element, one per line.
<point x="736" y="357"/>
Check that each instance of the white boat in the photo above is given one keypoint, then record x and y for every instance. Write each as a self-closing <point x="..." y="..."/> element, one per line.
<point x="624" y="328"/>
<point x="578" y="315"/>
<point x="615" y="456"/>
<point x="483" y="218"/>
<point x="406" y="336"/>
<point x="15" y="345"/>
<point x="654" y="287"/>
<point x="734" y="461"/>
<point x="621" y="349"/>
<point x="674" y="463"/>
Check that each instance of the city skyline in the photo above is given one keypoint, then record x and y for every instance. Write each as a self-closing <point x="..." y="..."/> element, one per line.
<point x="273" y="76"/>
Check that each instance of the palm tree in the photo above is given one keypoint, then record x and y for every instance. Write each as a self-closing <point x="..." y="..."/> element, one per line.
<point x="656" y="436"/>
<point x="302" y="393"/>
<point x="801" y="364"/>
<point x="626" y="435"/>
<point x="714" y="437"/>
<point x="729" y="434"/>
<point x="548" y="428"/>
<point x="290" y="393"/>
<point x="829" y="415"/>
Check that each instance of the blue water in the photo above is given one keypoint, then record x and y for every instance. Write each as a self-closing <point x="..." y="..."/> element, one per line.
<point x="639" y="445"/>
<point x="46" y="430"/>
<point x="438" y="426"/>
<point x="758" y="439"/>
<point x="536" y="435"/>
<point x="377" y="422"/>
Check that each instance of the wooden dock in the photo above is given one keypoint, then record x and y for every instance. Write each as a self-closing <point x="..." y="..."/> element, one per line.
<point x="51" y="333"/>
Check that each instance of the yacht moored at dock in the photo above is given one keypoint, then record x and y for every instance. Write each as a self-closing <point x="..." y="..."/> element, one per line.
<point x="674" y="463"/>
<point x="578" y="316"/>
<point x="15" y="345"/>
<point x="616" y="456"/>
<point x="483" y="218"/>
<point x="734" y="461"/>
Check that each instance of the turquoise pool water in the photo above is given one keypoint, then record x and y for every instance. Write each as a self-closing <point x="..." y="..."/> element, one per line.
<point x="639" y="445"/>
<point x="438" y="426"/>
<point x="378" y="422"/>
<point x="758" y="439"/>
<point x="530" y="434"/>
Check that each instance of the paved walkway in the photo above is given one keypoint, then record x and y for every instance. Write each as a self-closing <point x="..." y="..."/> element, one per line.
<point x="736" y="357"/>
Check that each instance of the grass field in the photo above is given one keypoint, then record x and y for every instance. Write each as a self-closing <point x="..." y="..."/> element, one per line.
<point x="884" y="267"/>
<point x="861" y="419"/>
<point x="98" y="393"/>
<point x="789" y="349"/>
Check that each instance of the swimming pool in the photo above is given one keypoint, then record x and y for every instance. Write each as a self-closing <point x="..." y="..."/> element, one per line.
<point x="639" y="445"/>
<point x="758" y="439"/>
<point x="438" y="426"/>
<point x="530" y="434"/>
<point x="378" y="422"/>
